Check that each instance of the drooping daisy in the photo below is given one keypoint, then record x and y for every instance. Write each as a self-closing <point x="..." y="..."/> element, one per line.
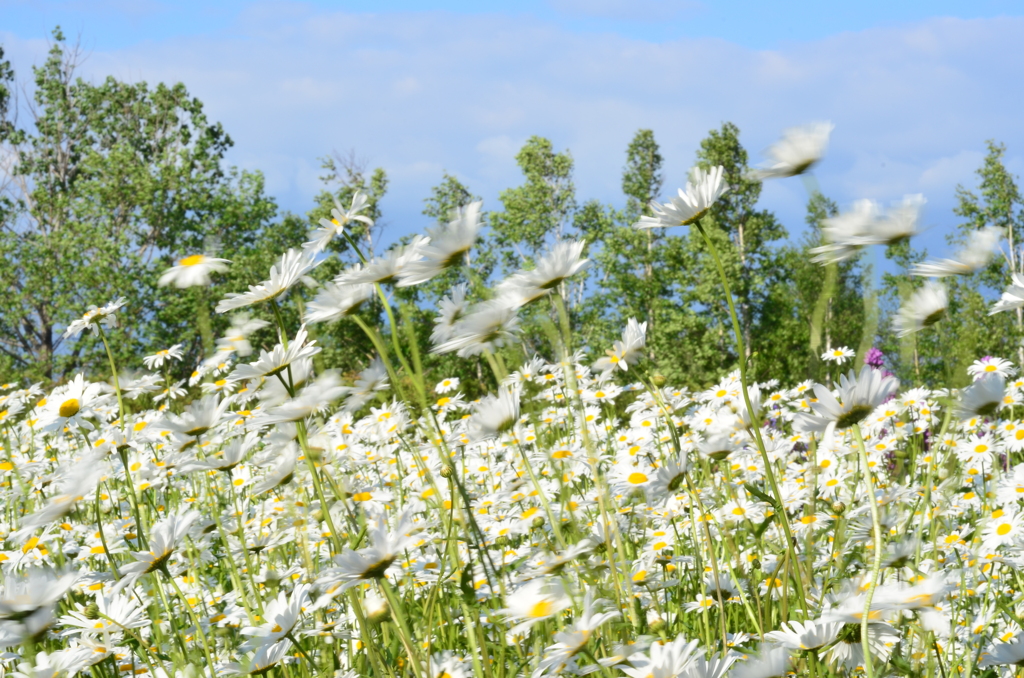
<point x="192" y="271"/>
<point x="703" y="189"/>
<point x="923" y="309"/>
<point x="973" y="257"/>
<point x="447" y="247"/>
<point x="858" y="396"/>
<point x="292" y="266"/>
<point x="488" y="325"/>
<point x="335" y="301"/>
<point x="983" y="397"/>
<point x="797" y="151"/>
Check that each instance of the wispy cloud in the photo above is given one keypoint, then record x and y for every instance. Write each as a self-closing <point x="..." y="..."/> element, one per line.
<point x="421" y="92"/>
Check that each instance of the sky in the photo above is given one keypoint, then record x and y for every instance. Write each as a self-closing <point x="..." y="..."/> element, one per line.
<point x="913" y="88"/>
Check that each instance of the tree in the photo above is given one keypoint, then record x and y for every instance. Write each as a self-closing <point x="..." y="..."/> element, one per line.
<point x="110" y="184"/>
<point x="538" y="211"/>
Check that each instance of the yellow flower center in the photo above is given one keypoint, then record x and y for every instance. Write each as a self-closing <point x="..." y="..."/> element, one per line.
<point x="1003" y="529"/>
<point x="69" y="407"/>
<point x="637" y="478"/>
<point x="541" y="609"/>
<point x="192" y="260"/>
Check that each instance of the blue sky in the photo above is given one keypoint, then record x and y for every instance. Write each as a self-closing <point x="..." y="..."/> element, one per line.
<point x="914" y="88"/>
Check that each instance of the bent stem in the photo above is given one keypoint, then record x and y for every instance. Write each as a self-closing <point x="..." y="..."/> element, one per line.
<point x="876" y="563"/>
<point x="755" y="423"/>
<point x="113" y="373"/>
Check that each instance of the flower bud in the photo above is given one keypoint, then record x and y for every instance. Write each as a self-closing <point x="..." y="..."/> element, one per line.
<point x="838" y="508"/>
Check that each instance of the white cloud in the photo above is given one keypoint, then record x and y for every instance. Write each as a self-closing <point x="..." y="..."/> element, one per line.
<point x="421" y="92"/>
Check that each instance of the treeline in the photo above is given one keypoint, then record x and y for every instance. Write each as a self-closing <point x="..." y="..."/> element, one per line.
<point x="106" y="185"/>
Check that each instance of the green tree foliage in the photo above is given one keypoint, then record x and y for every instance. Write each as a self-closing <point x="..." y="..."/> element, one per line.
<point x="109" y="184"/>
<point x="540" y="210"/>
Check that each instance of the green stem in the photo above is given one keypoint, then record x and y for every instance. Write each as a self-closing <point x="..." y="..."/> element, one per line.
<point x="113" y="373"/>
<point x="755" y="424"/>
<point x="876" y="564"/>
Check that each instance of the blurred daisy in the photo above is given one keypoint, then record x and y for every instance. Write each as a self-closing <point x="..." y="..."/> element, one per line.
<point x="923" y="309"/>
<point x="975" y="256"/>
<point x="447" y="246"/>
<point x="192" y="271"/>
<point x="797" y="150"/>
<point x="335" y="301"/>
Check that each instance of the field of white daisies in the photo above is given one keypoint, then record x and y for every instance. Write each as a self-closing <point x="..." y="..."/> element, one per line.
<point x="270" y="518"/>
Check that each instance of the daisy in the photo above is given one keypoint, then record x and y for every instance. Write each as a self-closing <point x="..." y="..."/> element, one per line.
<point x="92" y="319"/>
<point x="446" y="385"/>
<point x="770" y="662"/>
<point x="838" y="355"/>
<point x="72" y="405"/>
<point x="809" y="635"/>
<point x="198" y="418"/>
<point x="116" y="613"/>
<point x="983" y="397"/>
<point x="334" y="302"/>
<point x="798" y="150"/>
<point x="703" y="189"/>
<point x="193" y="270"/>
<point x="451" y="309"/>
<point x="1011" y="653"/>
<point x="281" y="615"/>
<point x="1003" y="531"/>
<point x="535" y="601"/>
<point x="562" y="262"/>
<point x="335" y="226"/>
<point x="923" y="309"/>
<point x="447" y="247"/>
<point x="372" y="562"/>
<point x="292" y="266"/>
<point x="278" y="360"/>
<point x="973" y="257"/>
<point x="1012" y="298"/>
<point x="494" y="415"/>
<point x="858" y="396"/>
<point x="990" y="365"/>
<point x="161" y="358"/>
<point x="164" y="539"/>
<point x="488" y="325"/>
<point x="844" y="233"/>
<point x="665" y="660"/>
<point x="27" y="600"/>
<point x="572" y="641"/>
<point x="386" y="268"/>
<point x="237" y="338"/>
<point x="627" y="351"/>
